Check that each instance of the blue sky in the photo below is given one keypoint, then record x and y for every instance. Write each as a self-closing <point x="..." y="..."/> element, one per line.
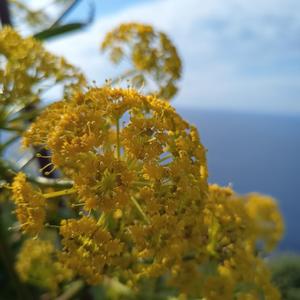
<point x="238" y="54"/>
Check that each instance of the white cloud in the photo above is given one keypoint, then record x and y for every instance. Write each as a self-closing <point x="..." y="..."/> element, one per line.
<point x="237" y="54"/>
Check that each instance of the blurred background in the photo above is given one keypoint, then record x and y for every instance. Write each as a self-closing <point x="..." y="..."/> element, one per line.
<point x="240" y="87"/>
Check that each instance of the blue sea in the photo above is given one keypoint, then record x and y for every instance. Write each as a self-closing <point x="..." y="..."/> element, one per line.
<point x="255" y="153"/>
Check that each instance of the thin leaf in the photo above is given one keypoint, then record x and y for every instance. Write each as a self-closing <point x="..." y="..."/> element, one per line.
<point x="59" y="30"/>
<point x="56" y="29"/>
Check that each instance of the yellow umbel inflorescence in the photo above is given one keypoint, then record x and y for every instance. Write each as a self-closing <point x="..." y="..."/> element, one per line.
<point x="133" y="153"/>
<point x="232" y="241"/>
<point x="36" y="264"/>
<point x="141" y="205"/>
<point x="30" y="205"/>
<point x="27" y="70"/>
<point x="269" y="226"/>
<point x="230" y="267"/>
<point x="111" y="142"/>
<point x="35" y="18"/>
<point x="154" y="58"/>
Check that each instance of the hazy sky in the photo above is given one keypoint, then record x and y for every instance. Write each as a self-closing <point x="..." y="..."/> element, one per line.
<point x="237" y="54"/>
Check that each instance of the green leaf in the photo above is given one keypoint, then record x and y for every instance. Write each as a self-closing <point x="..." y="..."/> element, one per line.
<point x="59" y="30"/>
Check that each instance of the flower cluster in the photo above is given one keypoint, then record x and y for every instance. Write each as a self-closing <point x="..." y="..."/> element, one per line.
<point x="36" y="264"/>
<point x="233" y="236"/>
<point x="27" y="69"/>
<point x="230" y="268"/>
<point x="88" y="248"/>
<point x="153" y="56"/>
<point x="30" y="205"/>
<point x="142" y="206"/>
<point x="267" y="220"/>
<point x="34" y="18"/>
<point x="133" y="154"/>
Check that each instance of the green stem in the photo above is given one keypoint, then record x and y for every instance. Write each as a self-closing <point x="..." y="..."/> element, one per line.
<point x="139" y="208"/>
<point x="118" y="139"/>
<point x="74" y="288"/>
<point x="59" y="193"/>
<point x="102" y="219"/>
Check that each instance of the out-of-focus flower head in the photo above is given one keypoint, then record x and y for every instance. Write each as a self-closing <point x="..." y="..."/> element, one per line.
<point x="37" y="264"/>
<point x="230" y="267"/>
<point x="36" y="16"/>
<point x="267" y="220"/>
<point x="27" y="70"/>
<point x="154" y="59"/>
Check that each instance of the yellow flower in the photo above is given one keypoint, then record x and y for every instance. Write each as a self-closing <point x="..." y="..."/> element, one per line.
<point x="104" y="182"/>
<point x="232" y="236"/>
<point x="268" y="222"/>
<point x="110" y="160"/>
<point x="88" y="248"/>
<point x="218" y="287"/>
<point x="153" y="56"/>
<point x="32" y="17"/>
<point x="123" y="150"/>
<point x="138" y="165"/>
<point x="30" y="205"/>
<point x="247" y="296"/>
<point x="29" y="68"/>
<point x="36" y="265"/>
